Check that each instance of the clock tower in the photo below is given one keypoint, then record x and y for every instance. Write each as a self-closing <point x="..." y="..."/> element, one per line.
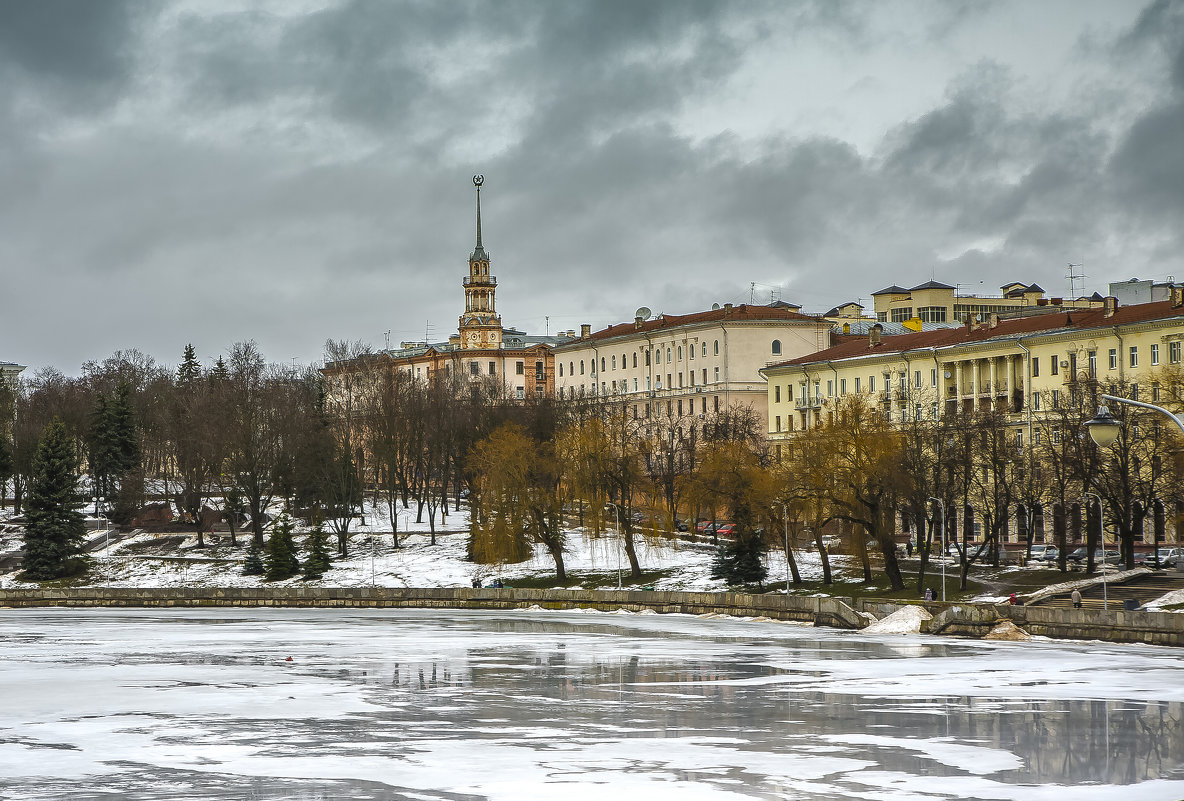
<point x="480" y="325"/>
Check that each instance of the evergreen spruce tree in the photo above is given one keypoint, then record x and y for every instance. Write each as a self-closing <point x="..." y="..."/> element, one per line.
<point x="253" y="565"/>
<point x="190" y="369"/>
<point x="281" y="562"/>
<point x="316" y="563"/>
<point x="738" y="561"/>
<point x="100" y="449"/>
<point x="220" y="372"/>
<point x="54" y="529"/>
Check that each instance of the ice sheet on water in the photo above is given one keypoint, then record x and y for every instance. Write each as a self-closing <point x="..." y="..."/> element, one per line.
<point x="544" y="705"/>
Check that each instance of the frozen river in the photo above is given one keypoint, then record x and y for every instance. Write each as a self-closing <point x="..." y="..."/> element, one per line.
<point x="110" y="704"/>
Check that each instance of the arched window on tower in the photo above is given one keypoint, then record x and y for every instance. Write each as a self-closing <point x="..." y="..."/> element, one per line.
<point x="776" y="347"/>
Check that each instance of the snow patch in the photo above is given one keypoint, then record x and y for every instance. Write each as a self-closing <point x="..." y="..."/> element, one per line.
<point x="906" y="620"/>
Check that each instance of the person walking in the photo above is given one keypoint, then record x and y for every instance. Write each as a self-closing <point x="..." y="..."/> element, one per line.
<point x="1075" y="597"/>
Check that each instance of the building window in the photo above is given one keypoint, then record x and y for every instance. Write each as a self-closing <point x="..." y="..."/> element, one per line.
<point x="871" y="383"/>
<point x="680" y="353"/>
<point x="1174" y="352"/>
<point x="521" y="393"/>
<point x="1036" y="367"/>
<point x="647" y="384"/>
<point x="520" y="368"/>
<point x="704" y="375"/>
<point x="560" y="368"/>
<point x="602" y="365"/>
<point x="614" y="361"/>
<point x="776" y="347"/>
<point x="716" y="346"/>
<point x="474" y="368"/>
<point x="789" y="392"/>
<point x="1093" y="364"/>
<point x="1134" y="355"/>
<point x="669" y="353"/>
<point x="902" y="314"/>
<point x="933" y="376"/>
<point x="493" y="368"/>
<point x="716" y="402"/>
<point x="670" y="381"/>
<point x="647" y="358"/>
<point x="776" y="393"/>
<point x="1056" y="398"/>
<point x="857" y="386"/>
<point x="581" y="366"/>
<point x="1036" y="437"/>
<point x="917" y="379"/>
<point x="842" y="386"/>
<point x="1114" y="358"/>
<point x="691" y="352"/>
<point x="1036" y="401"/>
<point x="881" y="317"/>
<point x="1019" y="438"/>
<point x="634" y="359"/>
<point x="778" y="423"/>
<point x="704" y="347"/>
<point x="830" y="389"/>
<point x="1055" y="366"/>
<point x="1154" y="392"/>
<point x="717" y="375"/>
<point x="657" y="355"/>
<point x="932" y="314"/>
<point x="1154" y="355"/>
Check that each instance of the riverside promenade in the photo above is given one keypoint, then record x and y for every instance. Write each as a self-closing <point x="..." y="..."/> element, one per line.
<point x="961" y="619"/>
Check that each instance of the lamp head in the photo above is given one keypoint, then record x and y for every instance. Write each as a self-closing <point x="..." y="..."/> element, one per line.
<point x="1104" y="428"/>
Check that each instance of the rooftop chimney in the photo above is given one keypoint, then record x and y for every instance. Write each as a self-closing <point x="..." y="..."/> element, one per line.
<point x="1109" y="306"/>
<point x="727" y="308"/>
<point x="585" y="331"/>
<point x="873" y="335"/>
<point x="1177" y="296"/>
<point x="971" y="322"/>
<point x="637" y="321"/>
<point x="993" y="320"/>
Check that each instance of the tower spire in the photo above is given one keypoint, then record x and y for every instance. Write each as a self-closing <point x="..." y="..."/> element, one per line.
<point x="479" y="251"/>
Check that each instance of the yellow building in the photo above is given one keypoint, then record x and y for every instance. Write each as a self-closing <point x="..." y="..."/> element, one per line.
<point x="689" y="364"/>
<point x="1001" y="364"/>
<point x="935" y="302"/>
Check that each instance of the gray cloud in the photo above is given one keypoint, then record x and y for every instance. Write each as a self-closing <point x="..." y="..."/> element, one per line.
<point x="292" y="177"/>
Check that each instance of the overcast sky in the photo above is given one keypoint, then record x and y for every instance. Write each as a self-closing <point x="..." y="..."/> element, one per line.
<point x="295" y="171"/>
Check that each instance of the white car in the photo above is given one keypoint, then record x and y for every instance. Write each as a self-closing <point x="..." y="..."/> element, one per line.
<point x="1167" y="557"/>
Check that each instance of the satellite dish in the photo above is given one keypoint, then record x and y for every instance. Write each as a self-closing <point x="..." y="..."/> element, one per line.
<point x="715" y="307"/>
<point x="644" y="313"/>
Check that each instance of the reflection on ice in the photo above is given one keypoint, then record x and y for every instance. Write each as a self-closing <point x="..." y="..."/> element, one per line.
<point x="427" y="705"/>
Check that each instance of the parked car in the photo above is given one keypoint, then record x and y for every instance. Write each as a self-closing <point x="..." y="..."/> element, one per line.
<point x="1077" y="555"/>
<point x="1044" y="553"/>
<point x="1167" y="557"/>
<point x="680" y="525"/>
<point x="725" y="530"/>
<point x="1109" y="557"/>
<point x="705" y="526"/>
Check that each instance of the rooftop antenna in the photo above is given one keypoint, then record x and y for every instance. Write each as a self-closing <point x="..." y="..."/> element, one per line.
<point x="1075" y="278"/>
<point x="388" y="339"/>
<point x="752" y="293"/>
<point x="548" y="324"/>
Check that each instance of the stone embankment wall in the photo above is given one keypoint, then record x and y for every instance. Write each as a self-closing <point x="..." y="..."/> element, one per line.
<point x="1158" y="628"/>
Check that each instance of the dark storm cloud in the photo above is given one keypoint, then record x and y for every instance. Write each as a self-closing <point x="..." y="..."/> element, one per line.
<point x="290" y="176"/>
<point x="1148" y="165"/>
<point x="78" y="48"/>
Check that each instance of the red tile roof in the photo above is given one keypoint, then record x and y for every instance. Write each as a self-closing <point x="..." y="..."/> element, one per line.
<point x="1010" y="328"/>
<point x="743" y="312"/>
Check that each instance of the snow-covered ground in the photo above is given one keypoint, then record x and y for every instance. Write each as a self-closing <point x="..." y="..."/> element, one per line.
<point x="526" y="706"/>
<point x="373" y="561"/>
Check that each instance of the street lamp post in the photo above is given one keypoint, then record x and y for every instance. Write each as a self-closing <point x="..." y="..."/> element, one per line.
<point x="621" y="544"/>
<point x="1104" y="430"/>
<point x="1101" y="545"/>
<point x="99" y="499"/>
<point x="942" y="505"/>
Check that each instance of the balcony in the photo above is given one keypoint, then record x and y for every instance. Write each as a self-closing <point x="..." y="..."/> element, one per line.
<point x="808" y="403"/>
<point x="481" y="280"/>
